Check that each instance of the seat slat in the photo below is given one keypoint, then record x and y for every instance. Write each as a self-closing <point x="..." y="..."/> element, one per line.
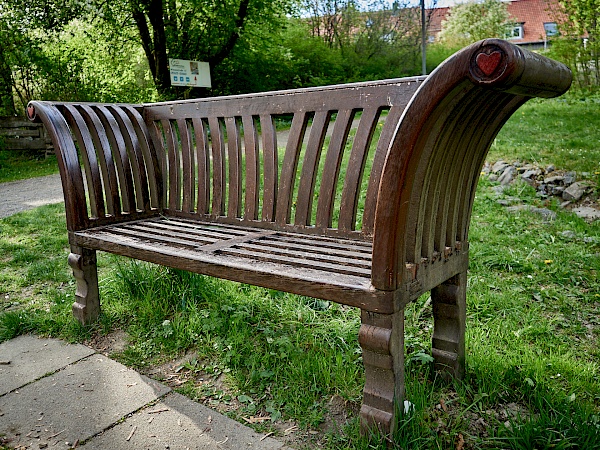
<point x="309" y="256"/>
<point x="297" y="262"/>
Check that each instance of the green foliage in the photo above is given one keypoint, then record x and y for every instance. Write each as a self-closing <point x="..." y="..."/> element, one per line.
<point x="471" y="21"/>
<point x="578" y="45"/>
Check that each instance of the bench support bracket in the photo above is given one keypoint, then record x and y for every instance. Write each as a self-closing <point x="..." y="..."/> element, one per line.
<point x="87" y="300"/>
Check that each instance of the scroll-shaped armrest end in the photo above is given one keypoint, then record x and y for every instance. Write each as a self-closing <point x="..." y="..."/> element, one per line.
<point x="499" y="64"/>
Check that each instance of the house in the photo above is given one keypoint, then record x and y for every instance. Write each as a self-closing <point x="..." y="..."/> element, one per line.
<point x="534" y="22"/>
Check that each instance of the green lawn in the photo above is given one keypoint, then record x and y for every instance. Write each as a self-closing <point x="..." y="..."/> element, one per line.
<point x="532" y="378"/>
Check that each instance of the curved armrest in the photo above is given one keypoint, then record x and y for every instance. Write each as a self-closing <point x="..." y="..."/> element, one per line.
<point x="432" y="166"/>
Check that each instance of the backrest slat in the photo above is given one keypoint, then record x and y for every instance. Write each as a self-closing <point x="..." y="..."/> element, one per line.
<point x="251" y="152"/>
<point x="310" y="166"/>
<point x="290" y="165"/>
<point x="356" y="165"/>
<point x="387" y="133"/>
<point x="270" y="167"/>
<point x="138" y="167"/>
<point x="173" y="162"/>
<point x="331" y="169"/>
<point x="218" y="165"/>
<point x="203" y="163"/>
<point x="88" y="155"/>
<point x="105" y="159"/>
<point x="153" y="167"/>
<point x="121" y="158"/>
<point x="188" y="168"/>
<point x="234" y="159"/>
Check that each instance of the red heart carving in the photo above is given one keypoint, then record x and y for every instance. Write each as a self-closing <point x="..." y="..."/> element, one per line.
<point x="30" y="111"/>
<point x="488" y="63"/>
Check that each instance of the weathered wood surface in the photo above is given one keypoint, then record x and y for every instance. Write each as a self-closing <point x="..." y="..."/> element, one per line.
<point x="372" y="215"/>
<point x="22" y="135"/>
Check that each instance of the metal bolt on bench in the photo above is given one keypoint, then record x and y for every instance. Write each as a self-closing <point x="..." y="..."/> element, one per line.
<point x="371" y="220"/>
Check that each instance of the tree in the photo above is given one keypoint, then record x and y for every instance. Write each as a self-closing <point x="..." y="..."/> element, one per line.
<point x="377" y="39"/>
<point x="205" y="30"/>
<point x="472" y="21"/>
<point x="578" y="44"/>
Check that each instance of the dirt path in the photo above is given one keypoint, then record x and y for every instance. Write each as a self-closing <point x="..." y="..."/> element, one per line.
<point x="16" y="196"/>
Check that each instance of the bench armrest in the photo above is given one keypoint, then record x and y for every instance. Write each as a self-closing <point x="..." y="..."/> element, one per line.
<point x="433" y="164"/>
<point x="109" y="169"/>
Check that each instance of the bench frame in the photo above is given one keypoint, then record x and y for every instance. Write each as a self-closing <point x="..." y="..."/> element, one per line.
<point x="178" y="184"/>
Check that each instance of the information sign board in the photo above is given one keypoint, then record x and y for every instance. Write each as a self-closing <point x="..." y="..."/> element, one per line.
<point x="189" y="73"/>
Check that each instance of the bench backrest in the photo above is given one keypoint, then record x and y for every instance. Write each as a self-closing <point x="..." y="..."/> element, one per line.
<point x="220" y="159"/>
<point x="223" y="158"/>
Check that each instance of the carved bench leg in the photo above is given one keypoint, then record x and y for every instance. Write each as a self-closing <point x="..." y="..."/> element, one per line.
<point x="87" y="300"/>
<point x="381" y="337"/>
<point x="449" y="315"/>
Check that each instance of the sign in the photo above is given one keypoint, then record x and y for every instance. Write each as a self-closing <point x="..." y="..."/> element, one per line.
<point x="189" y="73"/>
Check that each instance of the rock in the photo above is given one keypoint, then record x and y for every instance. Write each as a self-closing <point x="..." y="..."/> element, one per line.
<point x="550" y="168"/>
<point x="587" y="213"/>
<point x="499" y="190"/>
<point x="486" y="168"/>
<point x="574" y="192"/>
<point x="555" y="179"/>
<point x="499" y="167"/>
<point x="568" y="234"/>
<point x="507" y="175"/>
<point x="557" y="190"/>
<point x="493" y="177"/>
<point x="530" y="174"/>
<point x="570" y="178"/>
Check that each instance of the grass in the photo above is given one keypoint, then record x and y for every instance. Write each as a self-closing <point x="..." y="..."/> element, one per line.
<point x="532" y="378"/>
<point x="18" y="166"/>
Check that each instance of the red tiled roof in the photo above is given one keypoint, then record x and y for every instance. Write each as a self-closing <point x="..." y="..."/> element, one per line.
<point x="531" y="13"/>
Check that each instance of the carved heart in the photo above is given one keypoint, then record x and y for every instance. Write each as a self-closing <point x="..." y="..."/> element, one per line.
<point x="488" y="63"/>
<point x="30" y="111"/>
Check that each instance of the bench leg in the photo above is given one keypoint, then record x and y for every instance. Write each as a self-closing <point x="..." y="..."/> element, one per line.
<point x="381" y="337"/>
<point x="87" y="300"/>
<point x="449" y="315"/>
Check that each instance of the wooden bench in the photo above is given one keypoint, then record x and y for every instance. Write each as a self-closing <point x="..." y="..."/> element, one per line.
<point x="372" y="216"/>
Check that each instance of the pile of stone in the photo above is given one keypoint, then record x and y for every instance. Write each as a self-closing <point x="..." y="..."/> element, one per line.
<point x="575" y="194"/>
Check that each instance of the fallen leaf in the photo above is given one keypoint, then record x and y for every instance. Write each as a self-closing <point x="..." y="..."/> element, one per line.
<point x="461" y="442"/>
<point x="443" y="405"/>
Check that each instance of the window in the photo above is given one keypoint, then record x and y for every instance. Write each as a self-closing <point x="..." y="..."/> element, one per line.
<point x="551" y="29"/>
<point x="516" y="32"/>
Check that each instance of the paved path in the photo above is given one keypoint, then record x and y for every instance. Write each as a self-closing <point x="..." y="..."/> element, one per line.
<point x="16" y="196"/>
<point x="52" y="394"/>
<point x="57" y="395"/>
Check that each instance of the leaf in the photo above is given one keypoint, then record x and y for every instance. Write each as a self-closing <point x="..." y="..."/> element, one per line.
<point x="244" y="399"/>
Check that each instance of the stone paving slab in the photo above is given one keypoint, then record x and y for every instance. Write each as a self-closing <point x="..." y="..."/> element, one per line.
<point x="177" y="422"/>
<point x="27" y="358"/>
<point x="75" y="403"/>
